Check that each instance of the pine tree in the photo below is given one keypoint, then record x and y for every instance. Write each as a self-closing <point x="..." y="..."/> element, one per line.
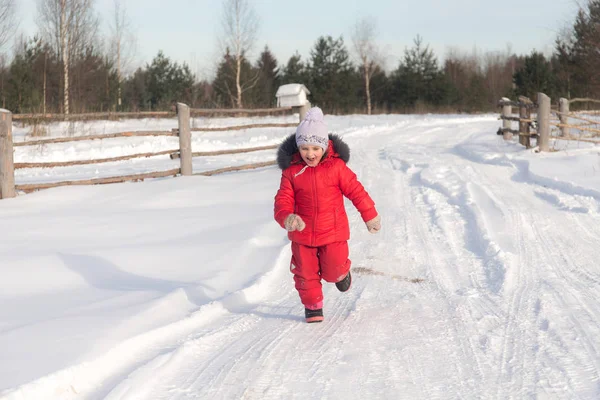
<point x="418" y="78"/>
<point x="136" y="96"/>
<point x="535" y="76"/>
<point x="268" y="80"/>
<point x="24" y="86"/>
<point x="334" y="83"/>
<point x="563" y="67"/>
<point x="585" y="49"/>
<point x="94" y="83"/>
<point x="168" y="83"/>
<point x="295" y="71"/>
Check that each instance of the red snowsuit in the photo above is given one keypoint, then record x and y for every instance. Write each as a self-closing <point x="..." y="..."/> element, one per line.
<point x="320" y="251"/>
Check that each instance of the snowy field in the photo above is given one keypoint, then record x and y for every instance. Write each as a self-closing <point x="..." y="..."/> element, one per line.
<point x="484" y="282"/>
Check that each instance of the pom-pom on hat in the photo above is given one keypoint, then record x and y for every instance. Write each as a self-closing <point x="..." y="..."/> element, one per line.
<point x="313" y="130"/>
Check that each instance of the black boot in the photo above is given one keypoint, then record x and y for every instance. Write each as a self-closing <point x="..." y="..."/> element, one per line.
<point x="345" y="283"/>
<point x="313" y="315"/>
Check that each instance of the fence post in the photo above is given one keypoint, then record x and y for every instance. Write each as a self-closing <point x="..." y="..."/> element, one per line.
<point x="543" y="120"/>
<point x="301" y="110"/>
<point x="185" y="139"/>
<point x="7" y="169"/>
<point x="506" y="124"/>
<point x="524" y="113"/>
<point x="563" y="108"/>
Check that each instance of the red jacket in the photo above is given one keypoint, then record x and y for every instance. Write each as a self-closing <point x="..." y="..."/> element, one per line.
<point x="316" y="194"/>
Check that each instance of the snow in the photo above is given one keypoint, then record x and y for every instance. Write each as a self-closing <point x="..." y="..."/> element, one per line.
<point x="291" y="89"/>
<point x="483" y="282"/>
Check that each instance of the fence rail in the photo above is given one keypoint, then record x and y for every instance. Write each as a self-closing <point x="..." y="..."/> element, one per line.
<point x="223" y="152"/>
<point x="97" y="137"/>
<point x="238" y="168"/>
<point x="48" y="117"/>
<point x="238" y="111"/>
<point x="241" y="127"/>
<point x="91" y="116"/>
<point x="30" y="187"/>
<point x="54" y="164"/>
<point x="184" y="153"/>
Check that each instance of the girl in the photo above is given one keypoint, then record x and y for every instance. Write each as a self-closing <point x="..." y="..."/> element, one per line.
<point x="310" y="206"/>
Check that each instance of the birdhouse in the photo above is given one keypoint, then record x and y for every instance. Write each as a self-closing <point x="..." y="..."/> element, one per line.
<point x="292" y="95"/>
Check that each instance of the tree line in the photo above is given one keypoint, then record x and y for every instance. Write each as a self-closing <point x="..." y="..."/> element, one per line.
<point x="68" y="67"/>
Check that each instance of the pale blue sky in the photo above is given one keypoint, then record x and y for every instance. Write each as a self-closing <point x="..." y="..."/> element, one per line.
<point x="187" y="30"/>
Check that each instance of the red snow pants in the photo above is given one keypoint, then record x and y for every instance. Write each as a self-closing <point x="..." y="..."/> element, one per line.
<point x="311" y="264"/>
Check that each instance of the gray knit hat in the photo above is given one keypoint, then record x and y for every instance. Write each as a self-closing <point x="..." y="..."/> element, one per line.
<point x="313" y="130"/>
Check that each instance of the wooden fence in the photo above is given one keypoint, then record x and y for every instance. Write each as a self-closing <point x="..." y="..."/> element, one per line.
<point x="184" y="153"/>
<point x="36" y="118"/>
<point x="545" y="117"/>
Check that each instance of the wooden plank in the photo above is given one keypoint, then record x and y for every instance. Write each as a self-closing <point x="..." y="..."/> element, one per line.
<point x="571" y="115"/>
<point x="7" y="170"/>
<point x="143" y="114"/>
<point x="501" y="131"/>
<point x="97" y="181"/>
<point x="185" y="139"/>
<point x="563" y="107"/>
<point x="96" y="137"/>
<point x="524" y="114"/>
<point x="579" y="127"/>
<point x="98" y="115"/>
<point x="517" y="104"/>
<point x="587" y="140"/>
<point x="543" y="119"/>
<point x="583" y="100"/>
<point x="222" y="152"/>
<point x="87" y="162"/>
<point x="238" y="168"/>
<point x="518" y="119"/>
<point x="240" y="127"/>
<point x="506" y="117"/>
<point x="203" y="111"/>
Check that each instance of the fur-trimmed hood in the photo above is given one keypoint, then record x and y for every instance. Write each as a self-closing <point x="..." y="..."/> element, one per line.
<point x="286" y="153"/>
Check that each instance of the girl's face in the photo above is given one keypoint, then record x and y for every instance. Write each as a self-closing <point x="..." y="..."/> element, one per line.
<point x="311" y="154"/>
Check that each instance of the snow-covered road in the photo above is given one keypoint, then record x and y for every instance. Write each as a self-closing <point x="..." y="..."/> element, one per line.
<point x="483" y="283"/>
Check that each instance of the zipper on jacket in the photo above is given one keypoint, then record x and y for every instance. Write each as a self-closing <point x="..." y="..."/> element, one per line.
<point x="316" y="203"/>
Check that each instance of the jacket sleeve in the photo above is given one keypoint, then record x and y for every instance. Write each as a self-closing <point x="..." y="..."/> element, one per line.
<point x="354" y="190"/>
<point x="284" y="200"/>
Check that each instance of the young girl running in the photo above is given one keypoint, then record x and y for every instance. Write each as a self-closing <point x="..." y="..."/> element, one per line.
<point x="310" y="206"/>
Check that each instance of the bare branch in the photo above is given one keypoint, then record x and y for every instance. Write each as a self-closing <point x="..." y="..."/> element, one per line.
<point x="70" y="27"/>
<point x="123" y="42"/>
<point x="80" y="19"/>
<point x="240" y="26"/>
<point x="366" y="49"/>
<point x="8" y="22"/>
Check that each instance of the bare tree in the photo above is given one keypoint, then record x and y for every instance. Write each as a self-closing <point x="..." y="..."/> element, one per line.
<point x="363" y="38"/>
<point x="498" y="68"/>
<point x="240" y="25"/>
<point x="70" y="26"/>
<point x="2" y="72"/>
<point x="8" y="22"/>
<point x="123" y="43"/>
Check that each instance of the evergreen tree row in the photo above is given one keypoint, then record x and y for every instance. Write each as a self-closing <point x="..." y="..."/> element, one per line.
<point x="31" y="82"/>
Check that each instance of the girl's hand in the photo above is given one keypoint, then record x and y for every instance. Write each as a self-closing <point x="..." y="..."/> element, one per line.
<point x="374" y="225"/>
<point x="293" y="222"/>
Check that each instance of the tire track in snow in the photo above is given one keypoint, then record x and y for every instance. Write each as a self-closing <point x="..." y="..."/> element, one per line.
<point x="204" y="361"/>
<point x="583" y="317"/>
<point x="433" y="253"/>
<point x="531" y="285"/>
<point x="247" y="357"/>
